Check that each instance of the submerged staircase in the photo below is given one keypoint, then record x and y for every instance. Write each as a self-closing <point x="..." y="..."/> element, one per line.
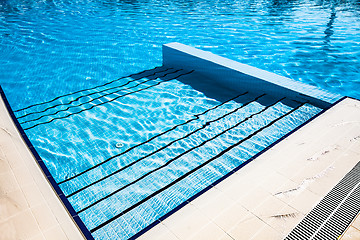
<point x="167" y="150"/>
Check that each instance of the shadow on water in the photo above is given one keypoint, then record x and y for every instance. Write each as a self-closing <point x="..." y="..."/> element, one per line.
<point x="281" y="7"/>
<point x="329" y="31"/>
<point x="221" y="93"/>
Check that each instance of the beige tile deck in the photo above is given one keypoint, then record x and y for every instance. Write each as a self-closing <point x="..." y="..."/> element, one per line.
<point x="267" y="198"/>
<point x="29" y="208"/>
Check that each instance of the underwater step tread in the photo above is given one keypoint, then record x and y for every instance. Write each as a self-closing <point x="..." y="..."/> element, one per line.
<point x="167" y="163"/>
<point x="91" y="100"/>
<point x="53" y="119"/>
<point x="196" y="117"/>
<point x="184" y="137"/>
<point x="89" y="94"/>
<point x="190" y="172"/>
<point x="69" y="94"/>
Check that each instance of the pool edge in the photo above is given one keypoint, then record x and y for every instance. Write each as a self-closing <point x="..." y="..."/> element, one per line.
<point x="58" y="192"/>
<point x="239" y="76"/>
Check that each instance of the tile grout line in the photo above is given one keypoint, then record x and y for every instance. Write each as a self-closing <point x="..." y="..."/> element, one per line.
<point x="211" y="220"/>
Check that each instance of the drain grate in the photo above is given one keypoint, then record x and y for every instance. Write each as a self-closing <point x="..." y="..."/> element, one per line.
<point x="334" y="213"/>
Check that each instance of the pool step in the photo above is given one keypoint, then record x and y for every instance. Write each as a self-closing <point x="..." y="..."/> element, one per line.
<point x="182" y="177"/>
<point x="70" y="104"/>
<point x="105" y="190"/>
<point x="150" y="178"/>
<point x="137" y="148"/>
<point x="35" y="107"/>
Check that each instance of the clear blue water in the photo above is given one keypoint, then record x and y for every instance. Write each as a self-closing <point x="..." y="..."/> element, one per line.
<point x="128" y="153"/>
<point x="50" y="48"/>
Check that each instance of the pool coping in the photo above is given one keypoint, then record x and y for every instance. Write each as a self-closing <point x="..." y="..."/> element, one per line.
<point x="81" y="226"/>
<point x="238" y="76"/>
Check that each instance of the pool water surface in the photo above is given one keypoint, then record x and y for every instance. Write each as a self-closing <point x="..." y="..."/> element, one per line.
<point x="50" y="48"/>
<point x="128" y="140"/>
<point x="127" y="153"/>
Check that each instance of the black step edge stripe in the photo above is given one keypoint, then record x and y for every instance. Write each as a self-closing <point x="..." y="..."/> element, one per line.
<point x="86" y="233"/>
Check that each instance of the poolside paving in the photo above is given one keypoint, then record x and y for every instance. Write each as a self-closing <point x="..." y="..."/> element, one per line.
<point x="29" y="207"/>
<point x="267" y="198"/>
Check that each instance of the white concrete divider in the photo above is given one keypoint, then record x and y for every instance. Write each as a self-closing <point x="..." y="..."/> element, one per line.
<point x="240" y="76"/>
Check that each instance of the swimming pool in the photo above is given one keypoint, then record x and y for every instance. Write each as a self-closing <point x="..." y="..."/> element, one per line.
<point x="129" y="151"/>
